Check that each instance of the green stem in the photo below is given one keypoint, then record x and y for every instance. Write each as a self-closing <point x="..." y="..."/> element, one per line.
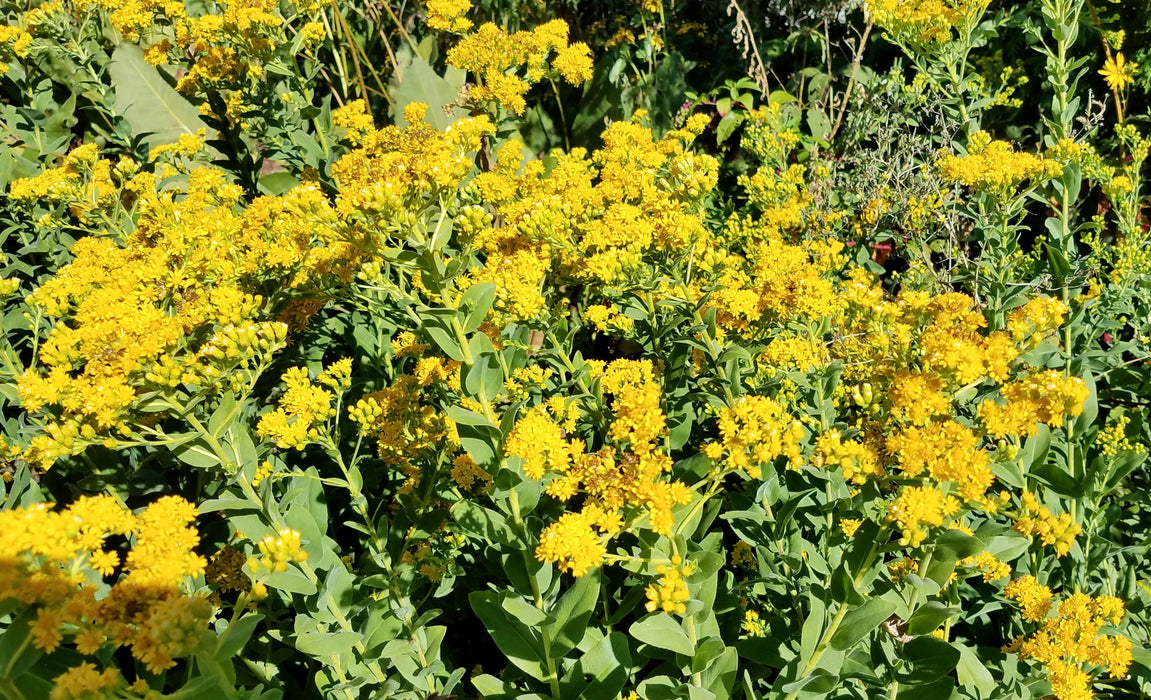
<point x="825" y="641"/>
<point x="545" y="631"/>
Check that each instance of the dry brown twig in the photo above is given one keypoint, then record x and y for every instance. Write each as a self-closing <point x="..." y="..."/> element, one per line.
<point x="744" y="38"/>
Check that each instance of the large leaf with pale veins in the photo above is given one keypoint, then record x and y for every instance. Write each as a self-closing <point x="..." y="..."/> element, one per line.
<point x="147" y="101"/>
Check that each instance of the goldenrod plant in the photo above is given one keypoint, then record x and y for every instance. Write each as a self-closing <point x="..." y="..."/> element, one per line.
<point x="533" y="350"/>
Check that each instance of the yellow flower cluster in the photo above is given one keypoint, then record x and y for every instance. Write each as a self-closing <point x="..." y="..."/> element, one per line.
<point x="858" y="459"/>
<point x="524" y="379"/>
<point x="88" y="186"/>
<point x="132" y="315"/>
<point x="919" y="507"/>
<point x="305" y="408"/>
<point x="277" y="551"/>
<point x="753" y="625"/>
<point x="405" y="426"/>
<point x="507" y="65"/>
<point x="792" y="354"/>
<point x="1033" y="597"/>
<point x="468" y="475"/>
<point x="616" y="217"/>
<point x="609" y="319"/>
<point x="85" y="681"/>
<point x="953" y="345"/>
<point x="1113" y="439"/>
<point x="540" y="442"/>
<point x="1036" y="520"/>
<point x="1041" y="397"/>
<point x="49" y="560"/>
<point x="1070" y="643"/>
<point x="449" y="15"/>
<point x="14" y="43"/>
<point x="923" y="22"/>
<point x="613" y="479"/>
<point x="948" y="452"/>
<point x="394" y="171"/>
<point x="992" y="568"/>
<point x="993" y="166"/>
<point x="917" y="397"/>
<point x="754" y="432"/>
<point x="572" y="544"/>
<point x="670" y="594"/>
<point x="225" y="573"/>
<point x="773" y="280"/>
<point x="1040" y="316"/>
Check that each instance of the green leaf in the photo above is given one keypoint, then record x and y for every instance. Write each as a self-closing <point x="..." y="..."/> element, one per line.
<point x="291" y="581"/>
<point x="466" y="416"/>
<point x="1035" y="449"/>
<point x="1008" y="548"/>
<point x="572" y="613"/>
<point x="484" y="523"/>
<point x="419" y="82"/>
<point x="524" y="611"/>
<point x="1060" y="268"/>
<point x="818" y="681"/>
<point x="236" y="635"/>
<point x="859" y="622"/>
<point x="444" y="339"/>
<point x="475" y="304"/>
<point x="228" y="505"/>
<point x="602" y="672"/>
<point x="147" y="102"/>
<point x="954" y="545"/>
<point x="1090" y="407"/>
<point x="972" y="673"/>
<point x="222" y="417"/>
<point x="276" y="184"/>
<point x="819" y="124"/>
<point x="931" y="658"/>
<point x="727" y="126"/>
<point x="196" y="453"/>
<point x="521" y="644"/>
<point x="812" y="626"/>
<point x="928" y="617"/>
<point x="322" y="645"/>
<point x="843" y="587"/>
<point x="719" y="675"/>
<point x="661" y="631"/>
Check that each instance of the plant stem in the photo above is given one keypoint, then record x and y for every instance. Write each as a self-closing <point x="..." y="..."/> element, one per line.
<point x="545" y="631"/>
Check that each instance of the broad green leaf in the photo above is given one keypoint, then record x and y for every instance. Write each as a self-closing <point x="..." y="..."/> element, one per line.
<point x="930" y="657"/>
<point x="602" y="672"/>
<point x="972" y="673"/>
<point x="524" y="611"/>
<point x="521" y="644"/>
<point x="660" y="630"/>
<point x="859" y="622"/>
<point x="222" y="417"/>
<point x="196" y="453"/>
<point x="148" y="103"/>
<point x="818" y="681"/>
<point x="419" y="82"/>
<point x="954" y="545"/>
<point x="572" y="613"/>
<point x="484" y="523"/>
<point x="236" y="635"/>
<point x="719" y="675"/>
<point x="475" y="302"/>
<point x="322" y="645"/>
<point x="928" y="617"/>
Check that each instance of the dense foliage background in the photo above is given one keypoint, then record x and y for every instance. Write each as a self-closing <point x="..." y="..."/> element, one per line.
<point x="626" y="349"/>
